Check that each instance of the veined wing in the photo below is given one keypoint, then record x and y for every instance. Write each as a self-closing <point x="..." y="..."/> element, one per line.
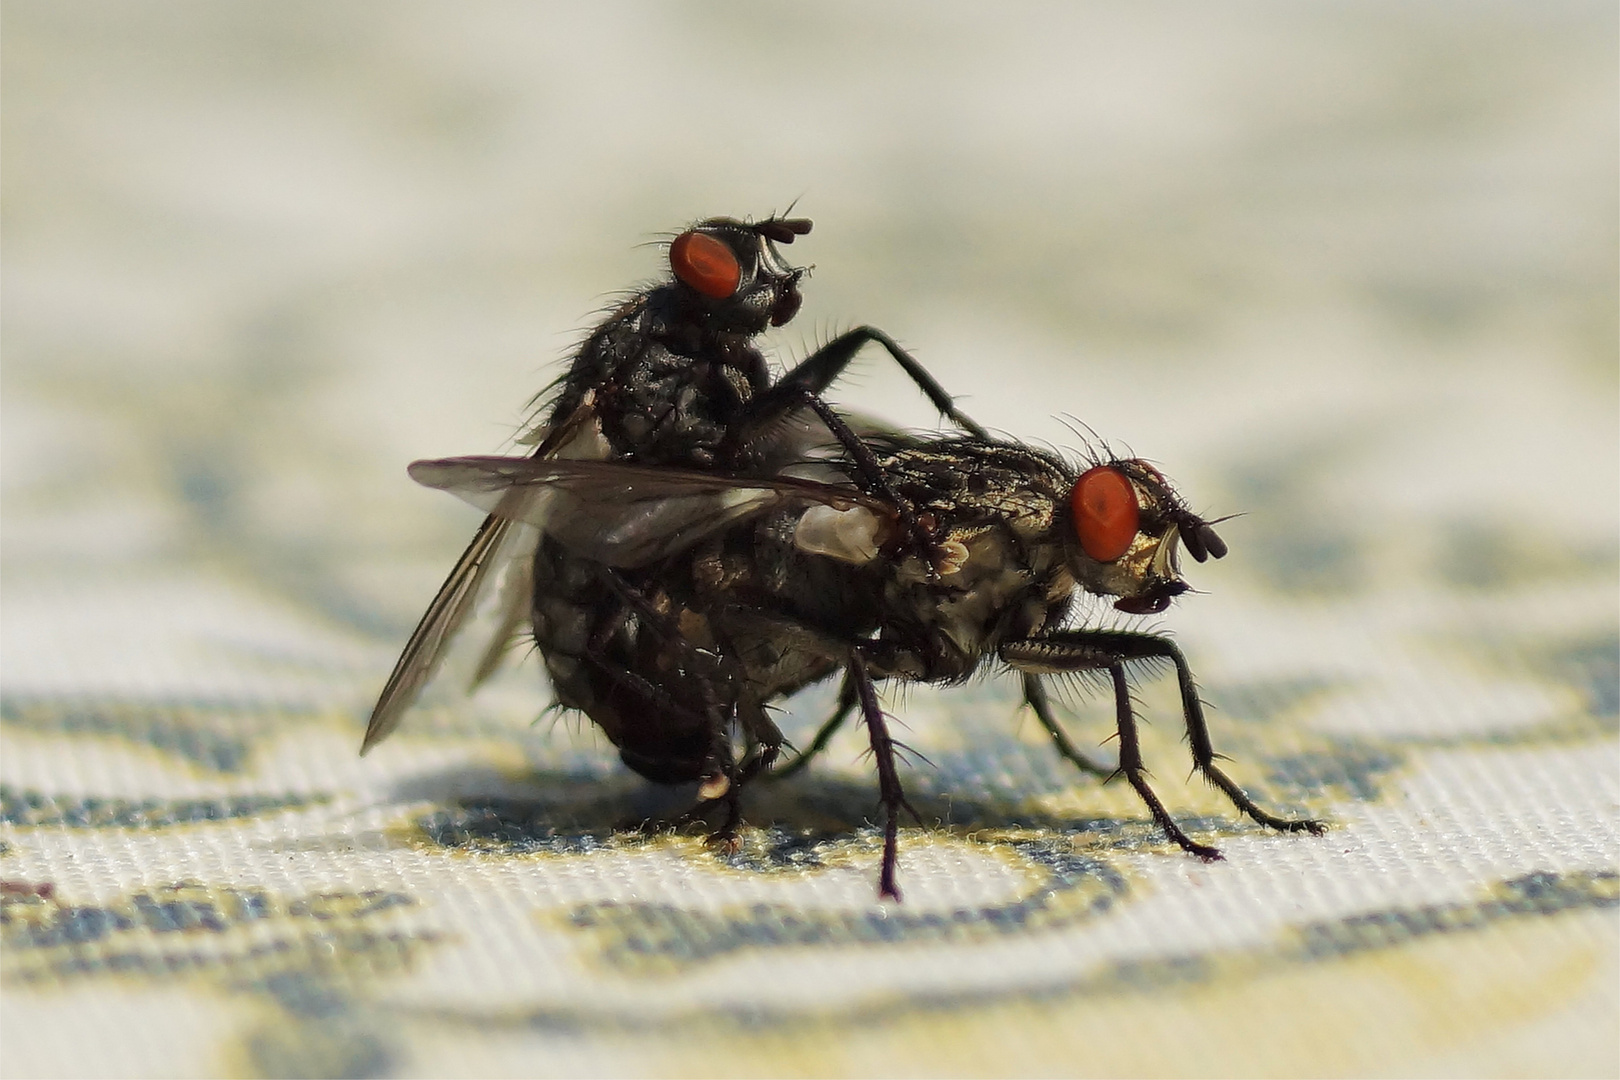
<point x="497" y="542"/>
<point x="620" y="514"/>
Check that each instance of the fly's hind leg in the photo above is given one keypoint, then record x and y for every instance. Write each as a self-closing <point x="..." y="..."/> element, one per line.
<point x="728" y="779"/>
<point x="802" y="388"/>
<point x="867" y="474"/>
<point x="764" y="741"/>
<point x="721" y="783"/>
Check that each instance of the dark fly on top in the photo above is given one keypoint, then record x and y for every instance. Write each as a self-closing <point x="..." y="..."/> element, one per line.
<point x="671" y="377"/>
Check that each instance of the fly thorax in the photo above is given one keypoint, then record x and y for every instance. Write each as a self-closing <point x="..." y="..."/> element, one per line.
<point x="989" y="580"/>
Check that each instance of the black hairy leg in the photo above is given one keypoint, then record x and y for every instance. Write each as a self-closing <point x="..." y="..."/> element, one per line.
<point x="890" y="794"/>
<point x="847" y="700"/>
<point x="1083" y="650"/>
<point x="821" y="368"/>
<point x="1036" y="697"/>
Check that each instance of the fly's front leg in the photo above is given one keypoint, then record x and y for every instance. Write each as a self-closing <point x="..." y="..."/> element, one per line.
<point x="1037" y="698"/>
<point x="867" y="473"/>
<point x="818" y="371"/>
<point x="1081" y="650"/>
<point x="1130" y="764"/>
<point x="1047" y="655"/>
<point x="1203" y="751"/>
<point x="889" y="790"/>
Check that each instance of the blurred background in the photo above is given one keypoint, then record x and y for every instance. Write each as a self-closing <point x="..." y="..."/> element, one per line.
<point x="1349" y="268"/>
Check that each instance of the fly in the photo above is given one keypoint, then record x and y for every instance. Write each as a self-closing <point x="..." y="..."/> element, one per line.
<point x="737" y="592"/>
<point x="671" y="377"/>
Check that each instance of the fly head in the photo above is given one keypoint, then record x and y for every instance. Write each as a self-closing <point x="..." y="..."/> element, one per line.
<point x="1128" y="524"/>
<point x="733" y="273"/>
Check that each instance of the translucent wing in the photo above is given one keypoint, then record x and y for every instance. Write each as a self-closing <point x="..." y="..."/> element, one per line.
<point x="515" y="604"/>
<point x="499" y="544"/>
<point x="456" y="599"/>
<point x="619" y="514"/>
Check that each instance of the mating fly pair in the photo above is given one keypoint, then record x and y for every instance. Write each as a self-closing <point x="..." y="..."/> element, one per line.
<point x="693" y="542"/>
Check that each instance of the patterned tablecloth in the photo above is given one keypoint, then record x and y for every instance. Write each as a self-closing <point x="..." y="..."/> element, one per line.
<point x="1347" y="270"/>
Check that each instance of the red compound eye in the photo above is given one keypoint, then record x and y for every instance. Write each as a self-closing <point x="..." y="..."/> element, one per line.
<point x="1105" y="512"/>
<point x="705" y="264"/>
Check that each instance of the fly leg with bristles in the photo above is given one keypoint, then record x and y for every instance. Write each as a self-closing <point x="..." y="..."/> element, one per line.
<point x="764" y="741"/>
<point x="864" y="469"/>
<point x="847" y="700"/>
<point x="892" y="797"/>
<point x="818" y="371"/>
<point x="762" y="737"/>
<point x="776" y="636"/>
<point x="715" y="768"/>
<point x="720" y="780"/>
<point x="1036" y="697"/>
<point x="802" y="388"/>
<point x="1076" y="657"/>
<point x="1130" y="766"/>
<point x="1083" y="650"/>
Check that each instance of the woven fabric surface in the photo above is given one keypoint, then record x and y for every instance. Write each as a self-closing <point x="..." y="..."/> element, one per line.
<point x="1347" y="271"/>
